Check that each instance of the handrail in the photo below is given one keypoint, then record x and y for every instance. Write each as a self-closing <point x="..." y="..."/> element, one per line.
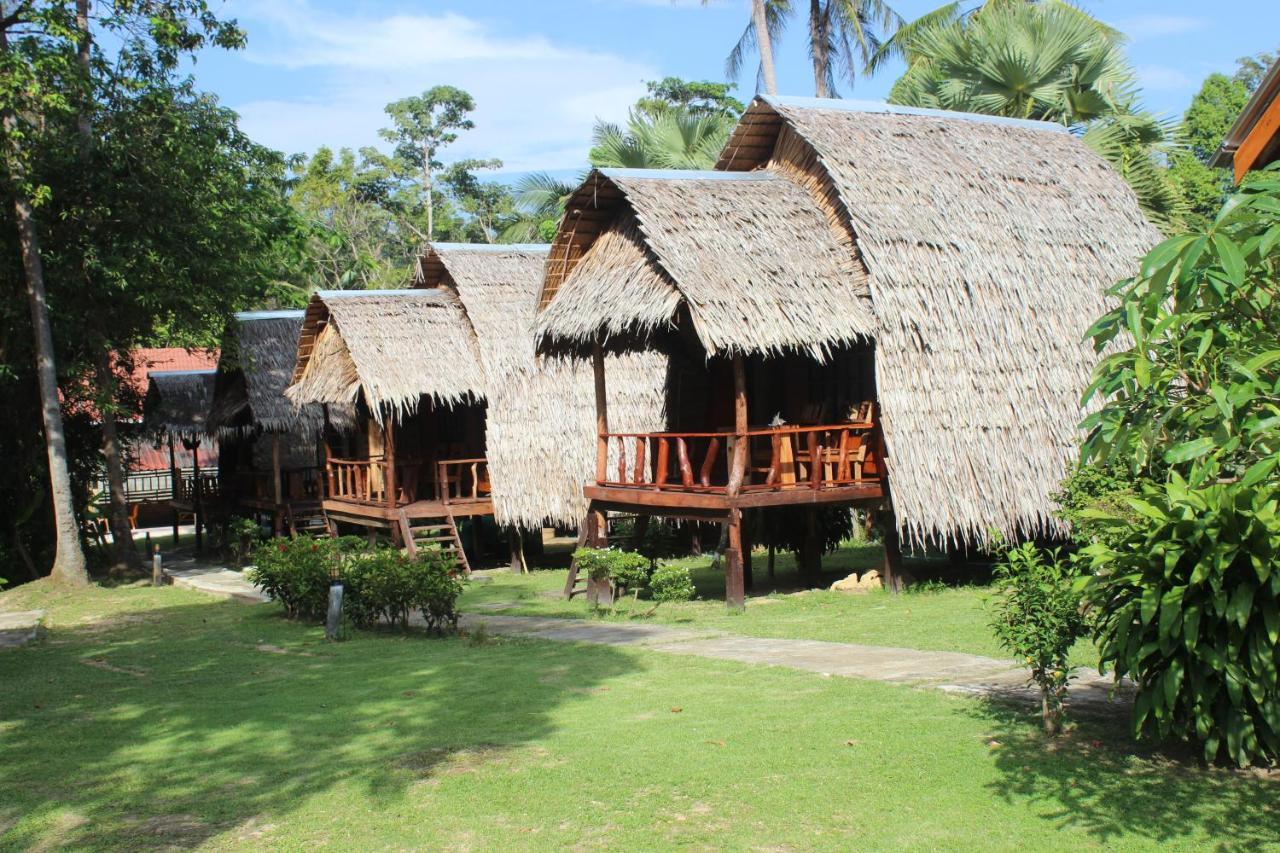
<point x="779" y="458"/>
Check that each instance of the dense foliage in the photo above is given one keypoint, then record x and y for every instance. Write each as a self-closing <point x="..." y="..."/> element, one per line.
<point x="1187" y="597"/>
<point x="1036" y="616"/>
<point x="626" y="570"/>
<point x="1188" y="605"/>
<point x="671" y="582"/>
<point x="381" y="583"/>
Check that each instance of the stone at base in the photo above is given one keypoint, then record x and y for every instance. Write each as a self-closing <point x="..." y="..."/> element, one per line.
<point x="870" y="580"/>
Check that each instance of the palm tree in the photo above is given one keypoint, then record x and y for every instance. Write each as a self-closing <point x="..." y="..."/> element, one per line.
<point x="540" y="200"/>
<point x="1047" y="61"/>
<point x="843" y="36"/>
<point x="673" y="139"/>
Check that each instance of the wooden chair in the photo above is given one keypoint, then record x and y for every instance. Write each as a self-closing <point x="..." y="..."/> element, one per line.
<point x="862" y="413"/>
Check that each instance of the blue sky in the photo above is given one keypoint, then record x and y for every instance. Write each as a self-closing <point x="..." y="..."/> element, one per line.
<point x="320" y="71"/>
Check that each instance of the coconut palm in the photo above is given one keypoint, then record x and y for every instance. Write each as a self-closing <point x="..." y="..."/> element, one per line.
<point x="671" y="139"/>
<point x="843" y="36"/>
<point x="540" y="200"/>
<point x="1047" y="61"/>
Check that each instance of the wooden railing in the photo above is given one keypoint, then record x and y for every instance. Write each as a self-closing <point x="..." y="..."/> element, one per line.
<point x="779" y="458"/>
<point x="186" y="490"/>
<point x="460" y="480"/>
<point x="365" y="480"/>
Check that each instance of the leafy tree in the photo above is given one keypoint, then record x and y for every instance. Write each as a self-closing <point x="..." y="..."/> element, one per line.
<point x="1213" y="111"/>
<point x="1047" y="61"/>
<point x="488" y="205"/>
<point x="424" y="124"/>
<point x="1186" y="591"/>
<point x="54" y="81"/>
<point x="693" y="97"/>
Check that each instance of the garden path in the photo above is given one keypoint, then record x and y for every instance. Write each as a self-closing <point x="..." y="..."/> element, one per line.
<point x="952" y="672"/>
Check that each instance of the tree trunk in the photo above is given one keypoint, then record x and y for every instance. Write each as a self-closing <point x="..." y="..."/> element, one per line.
<point x="69" y="562"/>
<point x="118" y="514"/>
<point x="426" y="183"/>
<point x="819" y="44"/>
<point x="765" y="46"/>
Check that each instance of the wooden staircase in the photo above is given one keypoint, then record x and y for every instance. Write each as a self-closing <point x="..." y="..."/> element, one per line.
<point x="441" y="532"/>
<point x="306" y="518"/>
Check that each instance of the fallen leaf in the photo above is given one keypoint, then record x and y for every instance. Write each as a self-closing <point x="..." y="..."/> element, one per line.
<point x="676" y="710"/>
<point x="717" y="743"/>
<point x="853" y="743"/>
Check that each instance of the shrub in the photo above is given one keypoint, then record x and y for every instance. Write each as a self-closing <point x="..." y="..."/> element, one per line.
<point x="671" y="583"/>
<point x="1188" y="606"/>
<point x="624" y="569"/>
<point x="243" y="535"/>
<point x="1036" y="616"/>
<point x="296" y="572"/>
<point x="1089" y="489"/>
<point x="387" y="584"/>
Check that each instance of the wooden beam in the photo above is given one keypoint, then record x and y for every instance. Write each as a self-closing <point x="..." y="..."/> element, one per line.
<point x="389" y="453"/>
<point x="1261" y="143"/>
<point x="602" y="414"/>
<point x="738" y="466"/>
<point x="175" y="478"/>
<point x="734" y="593"/>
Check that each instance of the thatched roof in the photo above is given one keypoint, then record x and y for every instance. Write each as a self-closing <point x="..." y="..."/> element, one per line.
<point x="757" y="265"/>
<point x="259" y="349"/>
<point x="177" y="403"/>
<point x="394" y="347"/>
<point x="541" y="412"/>
<point x="987" y="244"/>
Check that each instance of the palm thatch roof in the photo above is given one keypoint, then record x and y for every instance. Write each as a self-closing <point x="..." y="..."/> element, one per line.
<point x="756" y="264"/>
<point x="391" y="347"/>
<point x="987" y="245"/>
<point x="177" y="403"/>
<point x="541" y="412"/>
<point x="259" y="349"/>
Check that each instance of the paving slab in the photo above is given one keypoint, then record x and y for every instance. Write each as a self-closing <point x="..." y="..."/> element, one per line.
<point x="20" y="627"/>
<point x="953" y="672"/>
<point x="212" y="579"/>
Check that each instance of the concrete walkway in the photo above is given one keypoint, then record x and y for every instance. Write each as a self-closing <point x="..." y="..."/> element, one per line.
<point x="953" y="672"/>
<point x="19" y="627"/>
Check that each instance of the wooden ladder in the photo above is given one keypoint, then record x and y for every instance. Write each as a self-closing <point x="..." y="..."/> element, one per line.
<point x="307" y="519"/>
<point x="439" y="532"/>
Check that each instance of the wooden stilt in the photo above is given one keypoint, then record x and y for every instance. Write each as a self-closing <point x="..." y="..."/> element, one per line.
<point x="516" y="543"/>
<point x="175" y="480"/>
<point x="734" y="593"/>
<point x="891" y="571"/>
<point x="571" y="585"/>
<point x="196" y="503"/>
<point x="748" y="582"/>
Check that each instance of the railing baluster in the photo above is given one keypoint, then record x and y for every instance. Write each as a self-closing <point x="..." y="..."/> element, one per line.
<point x="638" y="474"/>
<point x="815" y="462"/>
<point x="664" y="459"/>
<point x="713" y="449"/>
<point x="682" y="454"/>
<point x="775" y="459"/>
<point x="622" y="459"/>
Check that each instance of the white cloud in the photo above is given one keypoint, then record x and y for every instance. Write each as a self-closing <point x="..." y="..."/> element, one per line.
<point x="1164" y="78"/>
<point x="1140" y="27"/>
<point x="536" y="101"/>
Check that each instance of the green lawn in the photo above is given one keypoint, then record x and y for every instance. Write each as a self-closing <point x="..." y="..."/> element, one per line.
<point x="152" y="718"/>
<point x="935" y="617"/>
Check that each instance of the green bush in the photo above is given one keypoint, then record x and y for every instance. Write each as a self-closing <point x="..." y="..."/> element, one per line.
<point x="1090" y="488"/>
<point x="243" y="535"/>
<point x="381" y="582"/>
<point x="296" y="572"/>
<point x="671" y="583"/>
<point x="1036" y="617"/>
<point x="1188" y="606"/>
<point x="624" y="569"/>
<point x="385" y="584"/>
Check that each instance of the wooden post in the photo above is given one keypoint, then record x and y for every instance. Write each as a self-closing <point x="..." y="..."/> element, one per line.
<point x="734" y="585"/>
<point x="891" y="570"/>
<point x="734" y="594"/>
<point x="516" y="542"/>
<point x="197" y="504"/>
<point x="174" y="482"/>
<point x="326" y="487"/>
<point x="602" y="415"/>
<point x="748" y="582"/>
<point x="277" y="518"/>
<point x="389" y="453"/>
<point x="157" y="568"/>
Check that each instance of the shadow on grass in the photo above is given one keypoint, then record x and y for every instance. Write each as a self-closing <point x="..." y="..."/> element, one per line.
<point x="165" y="726"/>
<point x="1098" y="779"/>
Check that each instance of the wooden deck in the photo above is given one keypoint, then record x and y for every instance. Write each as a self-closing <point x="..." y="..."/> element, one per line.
<point x="717" y="505"/>
<point x="381" y="515"/>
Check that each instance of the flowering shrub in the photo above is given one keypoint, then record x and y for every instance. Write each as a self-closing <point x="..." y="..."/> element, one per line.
<point x="624" y="569"/>
<point x="296" y="572"/>
<point x="671" y="583"/>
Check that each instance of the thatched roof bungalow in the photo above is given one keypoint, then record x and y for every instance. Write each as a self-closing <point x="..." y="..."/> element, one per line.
<point x="966" y="255"/>
<point x="459" y="350"/>
<point x="177" y="403"/>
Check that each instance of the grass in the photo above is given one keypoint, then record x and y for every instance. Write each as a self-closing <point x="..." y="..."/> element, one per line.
<point x="158" y="717"/>
<point x="935" y="616"/>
